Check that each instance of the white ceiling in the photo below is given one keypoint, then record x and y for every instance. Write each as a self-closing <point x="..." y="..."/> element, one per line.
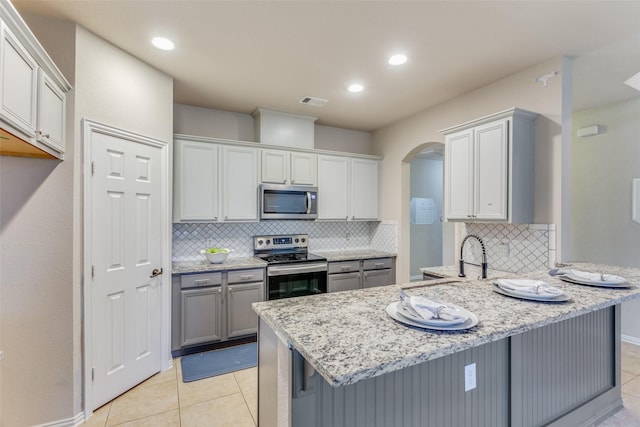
<point x="238" y="55"/>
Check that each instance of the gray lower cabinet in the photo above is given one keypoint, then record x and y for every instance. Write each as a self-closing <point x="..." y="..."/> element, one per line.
<point x="241" y="319"/>
<point x="343" y="282"/>
<point x="343" y="275"/>
<point x="201" y="315"/>
<point x="378" y="272"/>
<point x="361" y="273"/>
<point x="214" y="307"/>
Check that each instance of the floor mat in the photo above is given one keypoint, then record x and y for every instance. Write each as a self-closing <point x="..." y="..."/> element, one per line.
<point x="217" y="362"/>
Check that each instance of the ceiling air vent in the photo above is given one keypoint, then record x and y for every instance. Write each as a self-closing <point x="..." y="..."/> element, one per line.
<point x="316" y="102"/>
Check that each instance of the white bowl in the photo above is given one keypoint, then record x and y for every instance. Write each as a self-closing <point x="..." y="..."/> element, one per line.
<point x="218" y="257"/>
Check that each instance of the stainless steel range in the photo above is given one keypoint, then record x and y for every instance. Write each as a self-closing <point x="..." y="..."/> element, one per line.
<point x="291" y="271"/>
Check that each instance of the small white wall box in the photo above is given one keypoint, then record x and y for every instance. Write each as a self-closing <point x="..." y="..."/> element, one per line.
<point x="590" y="130"/>
<point x="635" y="213"/>
<point x="423" y="210"/>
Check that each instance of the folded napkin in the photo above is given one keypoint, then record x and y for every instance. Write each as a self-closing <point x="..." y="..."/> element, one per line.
<point x="425" y="309"/>
<point x="528" y="287"/>
<point x="588" y="276"/>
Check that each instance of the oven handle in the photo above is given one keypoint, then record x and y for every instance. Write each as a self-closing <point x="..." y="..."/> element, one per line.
<point x="307" y="268"/>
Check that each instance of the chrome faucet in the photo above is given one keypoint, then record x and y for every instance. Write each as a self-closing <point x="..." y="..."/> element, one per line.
<point x="484" y="256"/>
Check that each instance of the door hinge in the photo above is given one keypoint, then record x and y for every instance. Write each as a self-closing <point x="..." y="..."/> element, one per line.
<point x="93" y="374"/>
<point x="93" y="272"/>
<point x="93" y="168"/>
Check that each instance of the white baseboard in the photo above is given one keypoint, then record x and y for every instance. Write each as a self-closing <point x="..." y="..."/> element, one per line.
<point x="629" y="339"/>
<point x="69" y="422"/>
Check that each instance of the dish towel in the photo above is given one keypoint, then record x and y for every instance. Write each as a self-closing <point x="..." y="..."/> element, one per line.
<point x="528" y="287"/>
<point x="425" y="309"/>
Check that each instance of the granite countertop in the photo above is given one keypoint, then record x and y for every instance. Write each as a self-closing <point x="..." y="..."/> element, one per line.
<point x="202" y="265"/>
<point x="348" y="255"/>
<point x="471" y="271"/>
<point x="348" y="337"/>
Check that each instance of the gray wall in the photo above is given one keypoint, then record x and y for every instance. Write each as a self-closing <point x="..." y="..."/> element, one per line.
<point x="603" y="167"/>
<point x="401" y="141"/>
<point x="41" y="224"/>
<point x="190" y="120"/>
<point x="426" y="239"/>
<point x="37" y="282"/>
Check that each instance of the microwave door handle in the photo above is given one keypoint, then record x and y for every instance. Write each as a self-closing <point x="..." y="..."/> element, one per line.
<point x="308" y="202"/>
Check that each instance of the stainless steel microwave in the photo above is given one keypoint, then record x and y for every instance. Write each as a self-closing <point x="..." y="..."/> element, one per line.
<point x="279" y="201"/>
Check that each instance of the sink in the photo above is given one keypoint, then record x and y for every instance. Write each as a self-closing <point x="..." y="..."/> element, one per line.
<point x="432" y="276"/>
<point x="430" y="282"/>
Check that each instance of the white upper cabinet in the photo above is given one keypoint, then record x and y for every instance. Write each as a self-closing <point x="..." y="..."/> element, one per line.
<point x="19" y="85"/>
<point x="348" y="188"/>
<point x="217" y="180"/>
<point x="240" y="172"/>
<point x="304" y="167"/>
<point x="365" y="189"/>
<point x="284" y="167"/>
<point x="196" y="183"/>
<point x="214" y="182"/>
<point x="51" y="113"/>
<point x="32" y="92"/>
<point x="333" y="187"/>
<point x="275" y="166"/>
<point x="489" y="169"/>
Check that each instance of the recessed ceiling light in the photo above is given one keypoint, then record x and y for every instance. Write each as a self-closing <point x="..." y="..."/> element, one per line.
<point x="162" y="43"/>
<point x="633" y="81"/>
<point x="355" y="88"/>
<point x="398" y="59"/>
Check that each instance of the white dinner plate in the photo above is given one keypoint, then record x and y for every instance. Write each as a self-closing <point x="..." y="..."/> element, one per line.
<point x="541" y="298"/>
<point x="604" y="284"/>
<point x="528" y="284"/>
<point x="436" y="321"/>
<point x="392" y="311"/>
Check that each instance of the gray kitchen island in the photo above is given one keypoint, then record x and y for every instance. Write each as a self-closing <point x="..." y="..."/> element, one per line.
<point x="340" y="360"/>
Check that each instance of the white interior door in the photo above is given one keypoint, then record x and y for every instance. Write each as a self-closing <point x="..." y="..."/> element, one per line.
<point x="125" y="249"/>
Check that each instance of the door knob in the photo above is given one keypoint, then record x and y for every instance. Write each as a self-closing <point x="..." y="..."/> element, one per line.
<point x="156" y="273"/>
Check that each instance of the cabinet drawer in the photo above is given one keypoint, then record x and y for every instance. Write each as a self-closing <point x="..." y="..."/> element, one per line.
<point x="377" y="264"/>
<point x="241" y="276"/>
<point x="203" y="279"/>
<point x="344" y="266"/>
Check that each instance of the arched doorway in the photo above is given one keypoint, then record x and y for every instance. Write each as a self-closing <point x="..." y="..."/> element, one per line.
<point x="430" y="238"/>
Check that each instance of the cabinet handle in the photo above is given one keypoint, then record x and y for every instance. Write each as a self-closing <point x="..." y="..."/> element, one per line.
<point x="284" y="181"/>
<point x="42" y="134"/>
<point x="378" y="264"/>
<point x="215" y="218"/>
<point x="345" y="268"/>
<point x="246" y="277"/>
<point x="201" y="282"/>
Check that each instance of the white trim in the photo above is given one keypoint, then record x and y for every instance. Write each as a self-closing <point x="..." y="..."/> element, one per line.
<point x="89" y="127"/>
<point x="629" y="339"/>
<point x="67" y="422"/>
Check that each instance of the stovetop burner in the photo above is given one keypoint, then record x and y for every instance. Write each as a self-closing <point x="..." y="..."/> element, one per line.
<point x="289" y="257"/>
<point x="284" y="249"/>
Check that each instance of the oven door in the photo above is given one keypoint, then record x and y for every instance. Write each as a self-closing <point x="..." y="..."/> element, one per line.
<point x="296" y="280"/>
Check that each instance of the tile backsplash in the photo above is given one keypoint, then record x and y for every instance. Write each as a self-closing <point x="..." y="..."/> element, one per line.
<point x="190" y="238"/>
<point x="530" y="246"/>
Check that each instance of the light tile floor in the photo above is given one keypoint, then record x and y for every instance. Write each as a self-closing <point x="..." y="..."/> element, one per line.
<point x="231" y="400"/>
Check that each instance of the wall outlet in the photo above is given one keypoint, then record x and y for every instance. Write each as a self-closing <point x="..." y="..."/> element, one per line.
<point x="504" y="249"/>
<point x="469" y="377"/>
<point x="209" y="243"/>
<point x="347" y="236"/>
